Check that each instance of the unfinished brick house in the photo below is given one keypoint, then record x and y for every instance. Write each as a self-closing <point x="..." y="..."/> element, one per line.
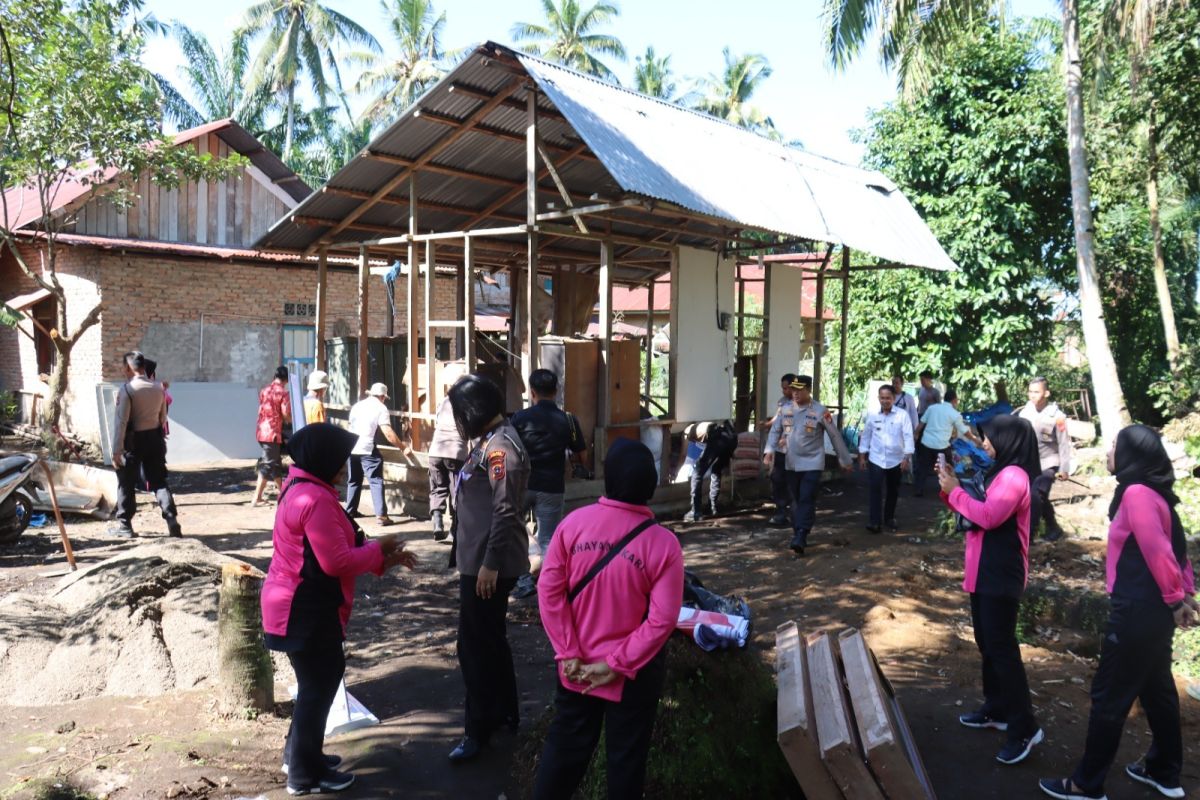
<point x="178" y="279"/>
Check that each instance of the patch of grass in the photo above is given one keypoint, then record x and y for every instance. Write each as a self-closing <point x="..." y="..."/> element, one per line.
<point x="1187" y="653"/>
<point x="714" y="735"/>
<point x="60" y="790"/>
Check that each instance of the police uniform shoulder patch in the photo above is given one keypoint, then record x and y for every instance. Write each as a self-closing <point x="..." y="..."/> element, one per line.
<point x="1061" y="422"/>
<point x="495" y="464"/>
<point x="828" y="417"/>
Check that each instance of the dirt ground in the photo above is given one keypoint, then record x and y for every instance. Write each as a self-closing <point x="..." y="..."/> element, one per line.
<point x="902" y="589"/>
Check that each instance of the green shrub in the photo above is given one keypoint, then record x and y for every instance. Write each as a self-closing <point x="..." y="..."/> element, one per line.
<point x="714" y="735"/>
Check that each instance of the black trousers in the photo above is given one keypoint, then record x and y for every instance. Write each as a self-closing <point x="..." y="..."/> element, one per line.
<point x="883" y="485"/>
<point x="319" y="669"/>
<point x="145" y="454"/>
<point x="1135" y="664"/>
<point x="575" y="731"/>
<point x="1005" y="687"/>
<point x="1040" y="506"/>
<point x="779" y="484"/>
<point x="486" y="659"/>
<point x="926" y="457"/>
<point x="442" y="474"/>
<point x="802" y="489"/>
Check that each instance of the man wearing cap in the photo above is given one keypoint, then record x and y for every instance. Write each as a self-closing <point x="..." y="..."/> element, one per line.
<point x="314" y="401"/>
<point x="366" y="417"/>
<point x="805" y="456"/>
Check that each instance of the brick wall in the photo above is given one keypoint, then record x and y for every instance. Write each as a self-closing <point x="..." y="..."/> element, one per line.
<point x="155" y="303"/>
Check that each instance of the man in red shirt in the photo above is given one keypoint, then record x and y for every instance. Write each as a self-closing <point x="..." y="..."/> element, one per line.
<point x="274" y="409"/>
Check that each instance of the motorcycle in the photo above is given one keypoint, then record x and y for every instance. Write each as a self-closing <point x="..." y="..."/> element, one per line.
<point x="16" y="494"/>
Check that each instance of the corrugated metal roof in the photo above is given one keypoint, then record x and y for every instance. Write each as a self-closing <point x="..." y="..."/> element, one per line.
<point x="634" y="145"/>
<point x="661" y="150"/>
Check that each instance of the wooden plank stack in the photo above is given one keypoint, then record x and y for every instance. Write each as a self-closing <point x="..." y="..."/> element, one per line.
<point x="839" y="723"/>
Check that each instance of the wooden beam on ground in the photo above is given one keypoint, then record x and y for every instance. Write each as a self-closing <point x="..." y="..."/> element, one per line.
<point x="322" y="306"/>
<point x="364" y="359"/>
<point x="472" y="119"/>
<point x="795" y="724"/>
<point x="835" y="732"/>
<point x="880" y="742"/>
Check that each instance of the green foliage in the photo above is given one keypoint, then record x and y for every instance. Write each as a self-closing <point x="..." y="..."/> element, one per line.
<point x="652" y="75"/>
<point x="1186" y="650"/>
<point x="982" y="157"/>
<point x="569" y="36"/>
<point x="395" y="83"/>
<point x="727" y="94"/>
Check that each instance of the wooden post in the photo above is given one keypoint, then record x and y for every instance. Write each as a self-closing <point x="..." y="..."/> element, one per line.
<point x="604" y="388"/>
<point x="819" y="330"/>
<point x="468" y="305"/>
<point x="845" y="326"/>
<point x="245" y="676"/>
<point x="515" y="315"/>
<point x="62" y="529"/>
<point x="672" y="354"/>
<point x="431" y="398"/>
<point x="764" y="373"/>
<point x="529" y="344"/>
<point x="410" y="299"/>
<point x="364" y="358"/>
<point x="649" y="341"/>
<point x="322" y="306"/>
<point x="462" y="282"/>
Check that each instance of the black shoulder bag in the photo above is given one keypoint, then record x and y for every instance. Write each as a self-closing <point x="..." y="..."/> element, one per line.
<point x="609" y="556"/>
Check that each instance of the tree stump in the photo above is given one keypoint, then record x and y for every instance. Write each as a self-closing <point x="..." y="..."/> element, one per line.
<point x="246" y="679"/>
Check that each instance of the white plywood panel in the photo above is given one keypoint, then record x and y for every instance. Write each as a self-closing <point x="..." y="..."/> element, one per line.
<point x="784" y="327"/>
<point x="704" y="353"/>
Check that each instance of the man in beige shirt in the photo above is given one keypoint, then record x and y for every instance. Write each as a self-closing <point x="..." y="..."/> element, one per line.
<point x="139" y="447"/>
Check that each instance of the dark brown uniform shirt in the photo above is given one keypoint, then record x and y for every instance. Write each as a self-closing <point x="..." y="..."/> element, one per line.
<point x="491" y="496"/>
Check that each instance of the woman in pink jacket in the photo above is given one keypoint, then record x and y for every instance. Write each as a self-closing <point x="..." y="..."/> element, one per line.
<point x="608" y="610"/>
<point x="997" y="568"/>
<point x="309" y="591"/>
<point x="1151" y="585"/>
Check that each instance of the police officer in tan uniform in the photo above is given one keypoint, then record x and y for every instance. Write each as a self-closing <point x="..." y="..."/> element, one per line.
<point x="1054" y="448"/>
<point x="491" y="552"/>
<point x="805" y="456"/>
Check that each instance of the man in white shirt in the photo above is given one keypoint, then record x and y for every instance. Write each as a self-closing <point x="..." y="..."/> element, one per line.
<point x="885" y="448"/>
<point x="366" y="417"/>
<point x="940" y="424"/>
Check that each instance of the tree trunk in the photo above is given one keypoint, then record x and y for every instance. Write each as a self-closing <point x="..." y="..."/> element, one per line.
<point x="1161" y="287"/>
<point x="52" y="414"/>
<point x="1110" y="400"/>
<point x="291" y="122"/>
<point x="246" y="678"/>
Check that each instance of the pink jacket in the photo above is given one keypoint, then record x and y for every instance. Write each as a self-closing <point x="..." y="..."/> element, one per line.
<point x="311" y="511"/>
<point x="1145" y="516"/>
<point x="997" y="557"/>
<point x="626" y="613"/>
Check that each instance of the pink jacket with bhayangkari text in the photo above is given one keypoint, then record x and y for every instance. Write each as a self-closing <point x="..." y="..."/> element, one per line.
<point x="310" y="511"/>
<point x="1140" y="562"/>
<point x="625" y="615"/>
<point x="997" y="557"/>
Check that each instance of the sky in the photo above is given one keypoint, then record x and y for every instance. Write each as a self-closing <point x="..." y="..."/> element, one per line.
<point x="806" y="98"/>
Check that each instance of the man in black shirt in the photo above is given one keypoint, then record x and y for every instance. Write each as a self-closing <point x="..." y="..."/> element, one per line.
<point x="548" y="433"/>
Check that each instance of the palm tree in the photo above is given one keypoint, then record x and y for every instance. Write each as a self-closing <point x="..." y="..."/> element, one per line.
<point x="568" y="36"/>
<point x="215" y="81"/>
<point x="913" y="39"/>
<point x="728" y="95"/>
<point x="397" y="82"/>
<point x="300" y="38"/>
<point x="652" y="76"/>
